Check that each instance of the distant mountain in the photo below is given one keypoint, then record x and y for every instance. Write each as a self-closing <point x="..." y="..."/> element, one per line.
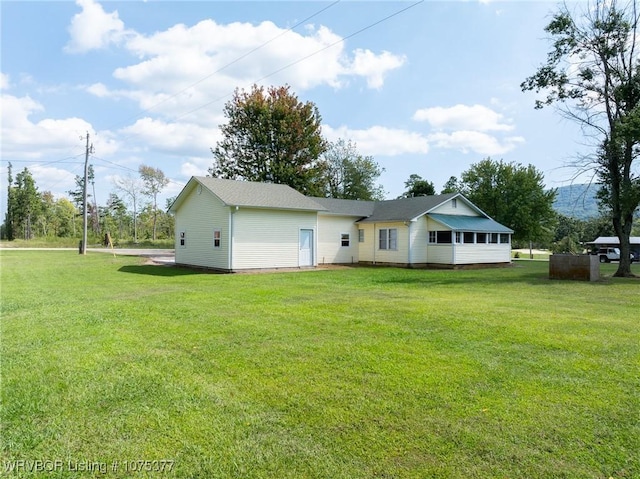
<point x="577" y="201"/>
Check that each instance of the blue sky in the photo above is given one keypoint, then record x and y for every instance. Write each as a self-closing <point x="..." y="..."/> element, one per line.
<point x="429" y="90"/>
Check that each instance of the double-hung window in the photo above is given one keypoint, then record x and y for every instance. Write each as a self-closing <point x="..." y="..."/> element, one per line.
<point x="344" y="239"/>
<point x="388" y="239"/>
<point x="217" y="238"/>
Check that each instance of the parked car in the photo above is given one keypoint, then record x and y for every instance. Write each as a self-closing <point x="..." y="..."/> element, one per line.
<point x="607" y="255"/>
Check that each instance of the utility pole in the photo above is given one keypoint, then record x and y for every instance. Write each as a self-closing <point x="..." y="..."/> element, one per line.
<point x="89" y="149"/>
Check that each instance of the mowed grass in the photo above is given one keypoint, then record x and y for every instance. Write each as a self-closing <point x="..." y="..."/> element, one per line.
<point x="349" y="373"/>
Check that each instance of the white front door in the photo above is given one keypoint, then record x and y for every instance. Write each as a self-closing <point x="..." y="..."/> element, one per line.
<point x="306" y="248"/>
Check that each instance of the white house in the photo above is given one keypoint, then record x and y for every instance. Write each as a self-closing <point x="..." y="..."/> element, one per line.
<point x="236" y="225"/>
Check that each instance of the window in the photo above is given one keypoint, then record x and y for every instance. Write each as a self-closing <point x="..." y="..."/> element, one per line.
<point x="360" y="236"/>
<point x="344" y="239"/>
<point x="469" y="237"/>
<point x="454" y="203"/>
<point x="444" y="237"/>
<point x="388" y="239"/>
<point x="494" y="238"/>
<point x="481" y="237"/>
<point x="183" y="239"/>
<point x="504" y="238"/>
<point x="458" y="237"/>
<point x="217" y="238"/>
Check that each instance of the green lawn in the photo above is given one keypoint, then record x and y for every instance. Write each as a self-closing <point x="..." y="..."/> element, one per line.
<point x="351" y="373"/>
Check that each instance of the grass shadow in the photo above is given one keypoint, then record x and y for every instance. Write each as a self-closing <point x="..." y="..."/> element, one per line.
<point x="158" y="270"/>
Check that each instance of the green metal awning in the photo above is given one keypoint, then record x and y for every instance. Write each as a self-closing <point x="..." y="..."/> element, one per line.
<point x="480" y="224"/>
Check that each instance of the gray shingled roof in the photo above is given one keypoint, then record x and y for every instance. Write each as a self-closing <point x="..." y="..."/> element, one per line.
<point x="258" y="195"/>
<point x="405" y="209"/>
<point x="336" y="206"/>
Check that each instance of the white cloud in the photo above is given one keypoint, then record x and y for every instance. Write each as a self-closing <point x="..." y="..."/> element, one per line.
<point x="22" y="138"/>
<point x="183" y="138"/>
<point x="380" y="141"/>
<point x="4" y="81"/>
<point x="49" y="178"/>
<point x="207" y="61"/>
<point x="196" y="166"/>
<point x="474" y="141"/>
<point x="374" y="67"/>
<point x="93" y="28"/>
<point x="99" y="90"/>
<point x="463" y="117"/>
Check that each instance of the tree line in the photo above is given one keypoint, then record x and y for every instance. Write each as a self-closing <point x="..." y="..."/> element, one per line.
<point x="130" y="213"/>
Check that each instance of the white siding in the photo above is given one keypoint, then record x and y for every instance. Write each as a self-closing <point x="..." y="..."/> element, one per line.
<point x="330" y="249"/>
<point x="265" y="238"/>
<point x="462" y="208"/>
<point x="440" y="253"/>
<point x="197" y="217"/>
<point x="419" y="240"/>
<point x="483" y="253"/>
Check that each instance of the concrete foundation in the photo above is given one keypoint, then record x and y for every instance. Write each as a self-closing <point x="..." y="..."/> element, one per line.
<point x="583" y="267"/>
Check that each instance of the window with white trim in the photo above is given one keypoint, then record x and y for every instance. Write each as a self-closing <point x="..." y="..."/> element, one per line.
<point x="504" y="238"/>
<point x="444" y="237"/>
<point x="432" y="236"/>
<point x="388" y="239"/>
<point x="360" y="236"/>
<point x="454" y="203"/>
<point x="469" y="237"/>
<point x="344" y="239"/>
<point x="183" y="239"/>
<point x="458" y="237"/>
<point x="217" y="238"/>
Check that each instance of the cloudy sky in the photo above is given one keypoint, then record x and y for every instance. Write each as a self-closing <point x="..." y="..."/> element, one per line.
<point x="427" y="88"/>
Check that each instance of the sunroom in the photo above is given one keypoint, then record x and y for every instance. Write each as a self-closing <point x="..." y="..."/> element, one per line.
<point x="458" y="240"/>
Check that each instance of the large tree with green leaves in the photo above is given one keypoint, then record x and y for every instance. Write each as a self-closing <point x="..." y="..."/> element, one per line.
<point x="592" y="74"/>
<point x="513" y="195"/>
<point x="350" y="175"/>
<point x="27" y="203"/>
<point x="271" y="136"/>
<point x="418" y="186"/>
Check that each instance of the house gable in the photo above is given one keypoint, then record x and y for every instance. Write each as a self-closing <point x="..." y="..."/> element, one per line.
<point x="199" y="215"/>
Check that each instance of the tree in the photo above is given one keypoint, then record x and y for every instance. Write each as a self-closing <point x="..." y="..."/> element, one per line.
<point x="77" y="197"/>
<point x="592" y="74"/>
<point x="349" y="175"/>
<point x="154" y="181"/>
<point x="416" y="186"/>
<point x="115" y="215"/>
<point x="65" y="213"/>
<point x="131" y="187"/>
<point x="513" y="195"/>
<point x="26" y="203"/>
<point x="451" y="186"/>
<point x="271" y="137"/>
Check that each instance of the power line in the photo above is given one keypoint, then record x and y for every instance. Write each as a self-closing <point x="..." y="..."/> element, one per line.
<point x="233" y="62"/>
<point x="300" y="60"/>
